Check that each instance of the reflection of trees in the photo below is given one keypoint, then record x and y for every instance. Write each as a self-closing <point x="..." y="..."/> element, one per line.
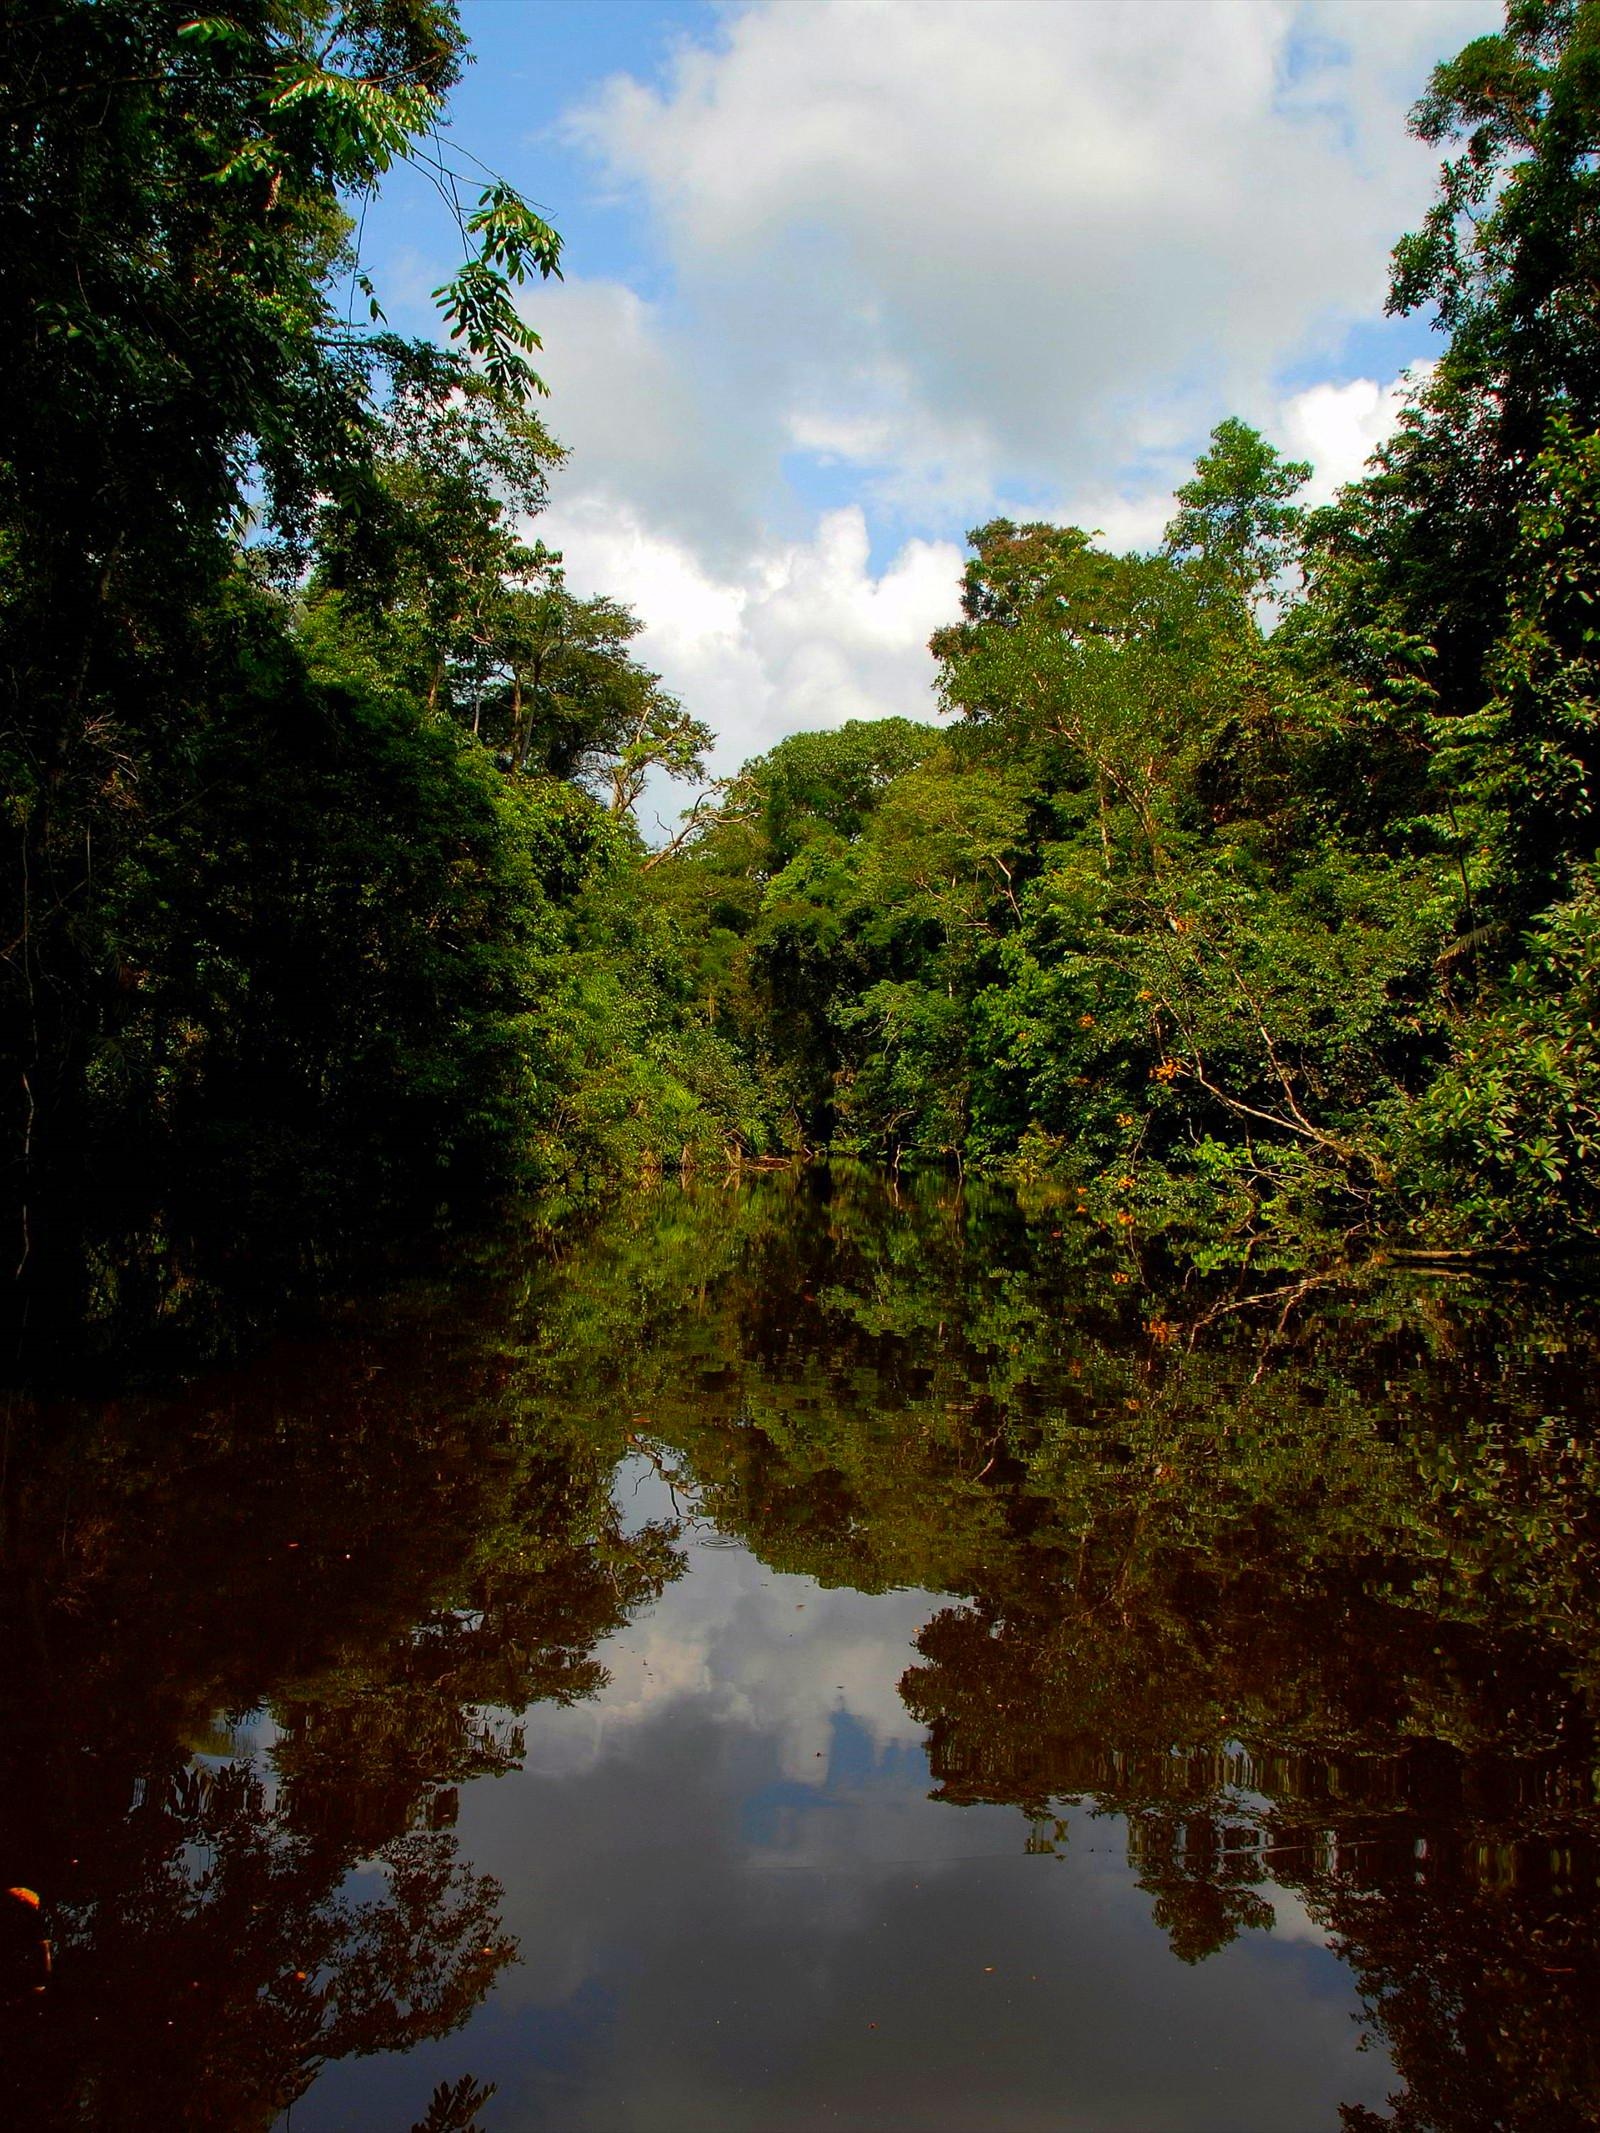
<point x="1459" y="1882"/>
<point x="1306" y="1595"/>
<point x="373" y="1543"/>
<point x="1291" y="1742"/>
<point x="211" y="1957"/>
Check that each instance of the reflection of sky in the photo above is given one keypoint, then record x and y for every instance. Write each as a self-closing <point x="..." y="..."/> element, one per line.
<point x="740" y="1913"/>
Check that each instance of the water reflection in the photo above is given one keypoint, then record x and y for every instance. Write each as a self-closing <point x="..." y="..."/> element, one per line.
<point x="643" y="1613"/>
<point x="739" y="1909"/>
<point x="357" y="1537"/>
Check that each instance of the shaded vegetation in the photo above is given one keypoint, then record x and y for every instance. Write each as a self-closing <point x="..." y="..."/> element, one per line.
<point x="318" y="883"/>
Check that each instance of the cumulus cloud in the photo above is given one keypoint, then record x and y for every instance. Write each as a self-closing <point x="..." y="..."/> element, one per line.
<point x="803" y="633"/>
<point x="1335" y="427"/>
<point x="957" y="244"/>
<point x="929" y="261"/>
<point x="1339" y="427"/>
<point x="807" y="633"/>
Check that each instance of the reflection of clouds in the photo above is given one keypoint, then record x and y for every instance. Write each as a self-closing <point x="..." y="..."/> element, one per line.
<point x="1292" y="1921"/>
<point x="775" y="1655"/>
<point x="740" y="1912"/>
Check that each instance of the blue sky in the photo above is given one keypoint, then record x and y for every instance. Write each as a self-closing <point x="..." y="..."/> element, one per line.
<point x="845" y="277"/>
<point x="533" y="61"/>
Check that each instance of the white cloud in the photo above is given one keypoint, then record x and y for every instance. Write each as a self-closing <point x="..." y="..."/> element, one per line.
<point x="803" y="633"/>
<point x="1292" y="1921"/>
<point x="626" y="400"/>
<point x="807" y="632"/>
<point x="931" y="261"/>
<point x="710" y="1642"/>
<point x="1339" y="427"/>
<point x="975" y="244"/>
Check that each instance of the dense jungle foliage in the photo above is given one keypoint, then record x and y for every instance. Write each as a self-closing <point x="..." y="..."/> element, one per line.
<point x="319" y="866"/>
<point x="1249" y="884"/>
<point x="1245" y="894"/>
<point x="1259" y="873"/>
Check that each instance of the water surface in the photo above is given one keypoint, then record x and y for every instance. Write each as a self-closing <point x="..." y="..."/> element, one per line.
<point x="818" y="1653"/>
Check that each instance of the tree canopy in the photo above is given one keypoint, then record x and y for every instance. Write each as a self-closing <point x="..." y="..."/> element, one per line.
<point x="318" y="777"/>
<point x="1263" y="865"/>
<point x="1260" y="868"/>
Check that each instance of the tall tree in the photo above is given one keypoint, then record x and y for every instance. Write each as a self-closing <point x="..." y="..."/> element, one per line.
<point x="1237" y="517"/>
<point x="1468" y="552"/>
<point x="173" y="196"/>
<point x="426" y="558"/>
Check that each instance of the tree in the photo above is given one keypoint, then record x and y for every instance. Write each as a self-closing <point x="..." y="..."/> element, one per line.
<point x="423" y="541"/>
<point x="173" y="198"/>
<point x="1237" y="517"/>
<point x="427" y="558"/>
<point x="1507" y="255"/>
<point x="1455" y="579"/>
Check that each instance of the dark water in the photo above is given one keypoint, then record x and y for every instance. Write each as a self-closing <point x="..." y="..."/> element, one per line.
<point x="812" y="1655"/>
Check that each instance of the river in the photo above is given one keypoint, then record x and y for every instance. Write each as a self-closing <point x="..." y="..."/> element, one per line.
<point x="816" y="1652"/>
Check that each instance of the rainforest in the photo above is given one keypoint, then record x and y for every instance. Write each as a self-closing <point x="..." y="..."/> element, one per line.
<point x="1256" y="870"/>
<point x="1072" y="1211"/>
